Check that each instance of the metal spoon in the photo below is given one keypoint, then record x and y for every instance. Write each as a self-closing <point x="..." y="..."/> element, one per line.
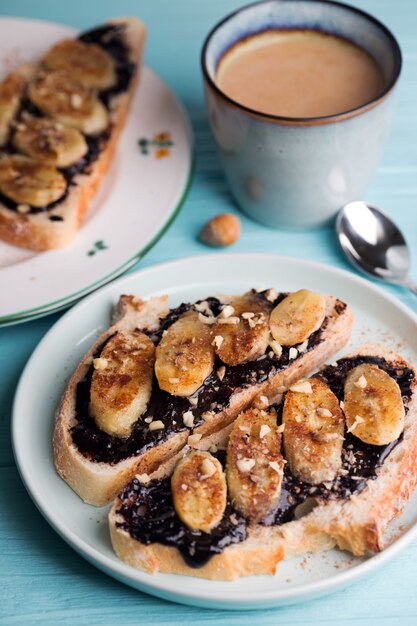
<point x="374" y="244"/>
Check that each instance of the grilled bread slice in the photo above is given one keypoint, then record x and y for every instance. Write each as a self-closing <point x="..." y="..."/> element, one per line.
<point x="60" y="120"/>
<point x="97" y="464"/>
<point x="350" y="512"/>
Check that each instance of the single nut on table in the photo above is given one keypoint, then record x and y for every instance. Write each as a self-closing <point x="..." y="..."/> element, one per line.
<point x="222" y="230"/>
<point x="201" y="504"/>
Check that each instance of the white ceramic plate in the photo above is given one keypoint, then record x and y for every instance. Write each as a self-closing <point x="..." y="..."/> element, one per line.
<point x="139" y="197"/>
<point x="378" y="317"/>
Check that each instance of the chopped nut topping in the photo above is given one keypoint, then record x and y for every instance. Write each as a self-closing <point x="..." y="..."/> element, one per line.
<point x="213" y="448"/>
<point x="281" y="428"/>
<point x="245" y="465"/>
<point x="275" y="347"/>
<point x="206" y="319"/>
<point x="227" y="311"/>
<point x="156" y="425"/>
<point x="100" y="363"/>
<point x="264" y="430"/>
<point x="194" y="439"/>
<point x="221" y="372"/>
<point x="217" y="341"/>
<point x="143" y="478"/>
<point x="193" y="401"/>
<point x="184" y="487"/>
<point x="245" y="429"/>
<point x="302" y="347"/>
<point x="361" y="382"/>
<point x="188" y="419"/>
<point x="76" y="100"/>
<point x="264" y="400"/>
<point x="207" y="415"/>
<point x="271" y="295"/>
<point x="358" y="420"/>
<point x="148" y="420"/>
<point x="247" y="315"/>
<point x="303" y="386"/>
<point x="229" y="320"/>
<point x="23" y="208"/>
<point x="174" y="381"/>
<point x="275" y="466"/>
<point x="208" y="468"/>
<point x="203" y="307"/>
<point x="233" y="519"/>
<point x="323" y="412"/>
<point x="293" y="353"/>
<point x="342" y="405"/>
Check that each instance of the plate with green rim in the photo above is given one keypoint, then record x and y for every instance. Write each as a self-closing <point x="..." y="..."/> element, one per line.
<point x="378" y="317"/>
<point x="139" y="197"/>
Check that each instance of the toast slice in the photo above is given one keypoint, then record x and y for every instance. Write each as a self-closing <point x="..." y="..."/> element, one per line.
<point x="97" y="465"/>
<point x="351" y="512"/>
<point x="62" y="157"/>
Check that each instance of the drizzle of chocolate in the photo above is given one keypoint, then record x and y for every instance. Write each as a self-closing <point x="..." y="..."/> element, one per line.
<point x="108" y="37"/>
<point x="148" y="515"/>
<point x="214" y="395"/>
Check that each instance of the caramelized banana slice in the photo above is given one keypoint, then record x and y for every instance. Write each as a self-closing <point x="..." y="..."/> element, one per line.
<point x="122" y="382"/>
<point x="27" y="182"/>
<point x="12" y="89"/>
<point x="199" y="491"/>
<point x="68" y="102"/>
<point x="296" y="317"/>
<point x="254" y="464"/>
<point x="184" y="356"/>
<point x="373" y="405"/>
<point x="313" y="431"/>
<point x="49" y="142"/>
<point x="88" y="64"/>
<point x="241" y="331"/>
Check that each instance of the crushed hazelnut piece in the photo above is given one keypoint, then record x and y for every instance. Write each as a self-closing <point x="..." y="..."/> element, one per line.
<point x="247" y="315"/>
<point x="184" y="487"/>
<point x="245" y="465"/>
<point x="206" y="319"/>
<point x="193" y="401"/>
<point x="264" y="430"/>
<point x="217" y="341"/>
<point x="323" y="412"/>
<point x="100" y="363"/>
<point x="275" y="347"/>
<point x="174" y="381"/>
<point x="229" y="320"/>
<point x="358" y="420"/>
<point x="156" y="425"/>
<point x="148" y="420"/>
<point x="76" y="100"/>
<point x="207" y="415"/>
<point x="281" y="428"/>
<point x="302" y="347"/>
<point x="188" y="419"/>
<point x="143" y="478"/>
<point x="194" y="439"/>
<point x="361" y="382"/>
<point x="303" y="386"/>
<point x="293" y="353"/>
<point x="221" y="372"/>
<point x="23" y="208"/>
<point x="275" y="466"/>
<point x="271" y="295"/>
<point x="208" y="468"/>
<point x="227" y="311"/>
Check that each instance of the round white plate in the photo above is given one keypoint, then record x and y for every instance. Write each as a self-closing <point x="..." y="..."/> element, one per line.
<point x="379" y="317"/>
<point x="140" y="195"/>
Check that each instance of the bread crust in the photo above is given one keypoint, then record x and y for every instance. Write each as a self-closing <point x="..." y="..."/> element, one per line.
<point x="98" y="483"/>
<point x="356" y="524"/>
<point x="36" y="231"/>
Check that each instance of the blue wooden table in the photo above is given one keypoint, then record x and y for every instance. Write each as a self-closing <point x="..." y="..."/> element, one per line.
<point x="42" y="581"/>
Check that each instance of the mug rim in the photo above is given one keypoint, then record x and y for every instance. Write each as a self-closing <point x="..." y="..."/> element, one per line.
<point x="323" y="119"/>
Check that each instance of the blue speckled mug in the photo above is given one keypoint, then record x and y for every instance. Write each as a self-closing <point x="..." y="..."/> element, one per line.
<point x="297" y="172"/>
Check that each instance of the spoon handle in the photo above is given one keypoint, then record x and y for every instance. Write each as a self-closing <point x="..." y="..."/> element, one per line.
<point x="409" y="284"/>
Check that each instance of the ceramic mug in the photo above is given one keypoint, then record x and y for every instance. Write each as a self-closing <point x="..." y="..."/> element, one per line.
<point x="297" y="172"/>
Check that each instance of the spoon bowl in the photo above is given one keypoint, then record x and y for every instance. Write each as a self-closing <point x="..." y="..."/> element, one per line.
<point x="374" y="244"/>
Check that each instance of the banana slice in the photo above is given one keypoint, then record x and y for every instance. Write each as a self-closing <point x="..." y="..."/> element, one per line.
<point x="199" y="491"/>
<point x="68" y="102"/>
<point x="49" y="142"/>
<point x="11" y="90"/>
<point x="121" y="384"/>
<point x="25" y="181"/>
<point x="241" y="331"/>
<point x="313" y="431"/>
<point x="373" y="405"/>
<point x="88" y="64"/>
<point x="184" y="356"/>
<point x="296" y="317"/>
<point x="254" y="466"/>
